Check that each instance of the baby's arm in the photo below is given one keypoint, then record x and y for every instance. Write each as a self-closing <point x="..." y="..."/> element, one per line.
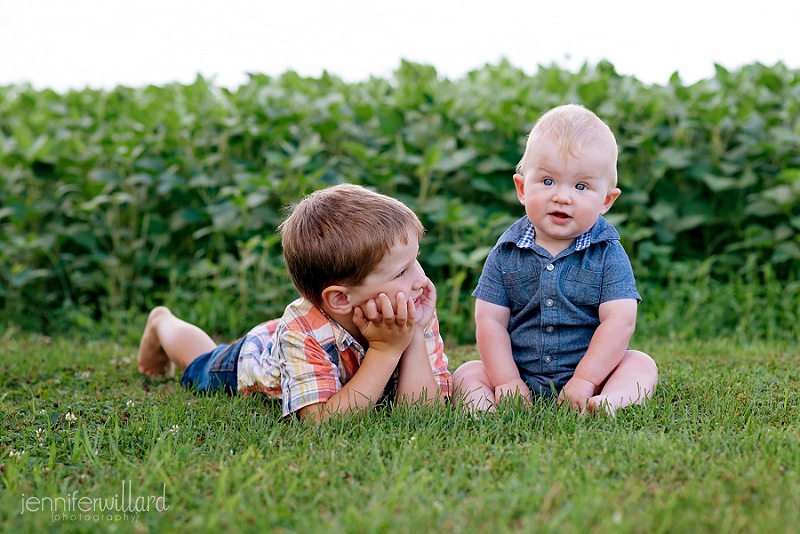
<point x="388" y="334"/>
<point x="494" y="347"/>
<point x="415" y="377"/>
<point x="608" y="346"/>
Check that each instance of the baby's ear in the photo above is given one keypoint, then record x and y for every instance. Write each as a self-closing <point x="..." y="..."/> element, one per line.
<point x="335" y="299"/>
<point x="519" y="185"/>
<point x="611" y="196"/>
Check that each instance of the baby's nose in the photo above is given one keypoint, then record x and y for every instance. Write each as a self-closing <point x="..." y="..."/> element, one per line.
<point x="561" y="195"/>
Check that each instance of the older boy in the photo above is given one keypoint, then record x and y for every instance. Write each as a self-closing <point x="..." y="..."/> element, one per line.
<point x="365" y="324"/>
<point x="557" y="299"/>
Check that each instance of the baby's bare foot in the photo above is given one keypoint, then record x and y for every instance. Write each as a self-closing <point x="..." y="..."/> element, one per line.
<point x="599" y="404"/>
<point x="152" y="360"/>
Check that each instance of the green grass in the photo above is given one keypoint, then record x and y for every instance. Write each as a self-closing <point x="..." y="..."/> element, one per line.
<point x="717" y="450"/>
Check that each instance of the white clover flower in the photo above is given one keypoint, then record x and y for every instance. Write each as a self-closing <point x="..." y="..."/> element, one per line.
<point x="174" y="429"/>
<point x="12" y="453"/>
<point x="70" y="417"/>
<point x="130" y="404"/>
<point x="40" y="435"/>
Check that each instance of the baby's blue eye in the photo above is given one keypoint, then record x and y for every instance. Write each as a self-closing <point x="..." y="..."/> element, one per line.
<point x="580" y="187"/>
<point x="548" y="181"/>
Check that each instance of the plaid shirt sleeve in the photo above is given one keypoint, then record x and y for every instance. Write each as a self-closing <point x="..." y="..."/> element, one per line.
<point x="308" y="375"/>
<point x="436" y="356"/>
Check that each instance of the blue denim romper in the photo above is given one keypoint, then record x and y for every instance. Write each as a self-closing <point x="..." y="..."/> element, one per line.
<point x="554" y="301"/>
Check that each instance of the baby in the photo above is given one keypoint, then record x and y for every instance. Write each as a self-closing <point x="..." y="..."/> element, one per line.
<point x="556" y="301"/>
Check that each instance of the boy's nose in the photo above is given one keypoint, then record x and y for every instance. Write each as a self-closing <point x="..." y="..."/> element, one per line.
<point x="421" y="279"/>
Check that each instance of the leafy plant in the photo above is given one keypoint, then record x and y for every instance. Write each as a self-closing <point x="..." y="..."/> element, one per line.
<point x="114" y="201"/>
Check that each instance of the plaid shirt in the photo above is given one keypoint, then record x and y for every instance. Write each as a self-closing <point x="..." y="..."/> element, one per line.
<point x="306" y="357"/>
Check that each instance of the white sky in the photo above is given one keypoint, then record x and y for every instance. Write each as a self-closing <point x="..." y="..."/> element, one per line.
<point x="65" y="44"/>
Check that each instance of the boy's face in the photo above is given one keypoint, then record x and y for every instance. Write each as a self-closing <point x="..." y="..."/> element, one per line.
<point x="564" y="198"/>
<point x="398" y="271"/>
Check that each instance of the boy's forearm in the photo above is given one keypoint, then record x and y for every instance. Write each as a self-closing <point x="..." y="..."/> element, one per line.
<point x="415" y="378"/>
<point x="362" y="391"/>
<point x="605" y="351"/>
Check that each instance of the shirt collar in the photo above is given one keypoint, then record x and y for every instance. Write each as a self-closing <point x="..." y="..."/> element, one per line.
<point x="343" y="338"/>
<point x="526" y="240"/>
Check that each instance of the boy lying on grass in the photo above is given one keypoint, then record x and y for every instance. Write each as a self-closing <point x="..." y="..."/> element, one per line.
<point x="365" y="325"/>
<point x="556" y="301"/>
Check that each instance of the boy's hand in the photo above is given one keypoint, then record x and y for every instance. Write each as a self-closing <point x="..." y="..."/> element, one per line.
<point x="514" y="388"/>
<point x="385" y="330"/>
<point x="575" y="394"/>
<point x="427" y="305"/>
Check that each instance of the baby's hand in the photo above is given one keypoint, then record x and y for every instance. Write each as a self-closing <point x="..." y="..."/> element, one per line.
<point x="385" y="330"/>
<point x="575" y="393"/>
<point x="511" y="389"/>
<point x="427" y="304"/>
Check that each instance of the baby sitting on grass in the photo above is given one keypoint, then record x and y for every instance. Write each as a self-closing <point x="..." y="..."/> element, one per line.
<point x="556" y="301"/>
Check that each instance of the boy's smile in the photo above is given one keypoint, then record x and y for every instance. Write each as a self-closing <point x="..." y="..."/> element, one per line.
<point x="564" y="196"/>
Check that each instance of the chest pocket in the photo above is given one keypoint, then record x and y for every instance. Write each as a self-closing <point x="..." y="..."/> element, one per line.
<point x="582" y="286"/>
<point x="521" y="287"/>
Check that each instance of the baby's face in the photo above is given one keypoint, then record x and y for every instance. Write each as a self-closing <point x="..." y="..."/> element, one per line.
<point x="564" y="197"/>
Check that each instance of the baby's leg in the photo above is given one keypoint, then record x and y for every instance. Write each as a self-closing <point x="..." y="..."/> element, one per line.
<point x="473" y="385"/>
<point x="168" y="341"/>
<point x="632" y="382"/>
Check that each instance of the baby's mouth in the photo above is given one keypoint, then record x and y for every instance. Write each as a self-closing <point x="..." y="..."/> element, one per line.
<point x="559" y="216"/>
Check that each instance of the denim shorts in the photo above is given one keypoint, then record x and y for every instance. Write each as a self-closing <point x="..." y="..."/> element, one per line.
<point x="215" y="370"/>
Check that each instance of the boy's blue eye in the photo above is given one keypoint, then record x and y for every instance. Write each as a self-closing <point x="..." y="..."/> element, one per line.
<point x="548" y="181"/>
<point x="580" y="187"/>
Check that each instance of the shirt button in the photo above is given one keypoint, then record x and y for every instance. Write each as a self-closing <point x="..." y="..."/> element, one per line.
<point x="547" y="359"/>
<point x="548" y="302"/>
<point x="549" y="329"/>
<point x="550" y="267"/>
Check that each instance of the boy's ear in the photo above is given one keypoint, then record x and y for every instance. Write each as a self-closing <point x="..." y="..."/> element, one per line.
<point x="336" y="299"/>
<point x="611" y="196"/>
<point x="519" y="184"/>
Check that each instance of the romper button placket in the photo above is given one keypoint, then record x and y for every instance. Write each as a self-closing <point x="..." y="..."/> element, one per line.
<point x="547" y="359"/>
<point x="549" y="329"/>
<point x="548" y="302"/>
<point x="550" y="267"/>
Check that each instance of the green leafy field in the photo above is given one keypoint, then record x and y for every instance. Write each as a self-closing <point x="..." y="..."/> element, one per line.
<point x="717" y="450"/>
<point x="112" y="202"/>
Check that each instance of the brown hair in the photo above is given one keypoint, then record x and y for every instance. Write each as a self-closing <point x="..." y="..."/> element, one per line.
<point x="338" y="235"/>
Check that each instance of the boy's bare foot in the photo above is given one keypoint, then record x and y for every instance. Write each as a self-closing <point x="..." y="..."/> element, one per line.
<point x="152" y="360"/>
